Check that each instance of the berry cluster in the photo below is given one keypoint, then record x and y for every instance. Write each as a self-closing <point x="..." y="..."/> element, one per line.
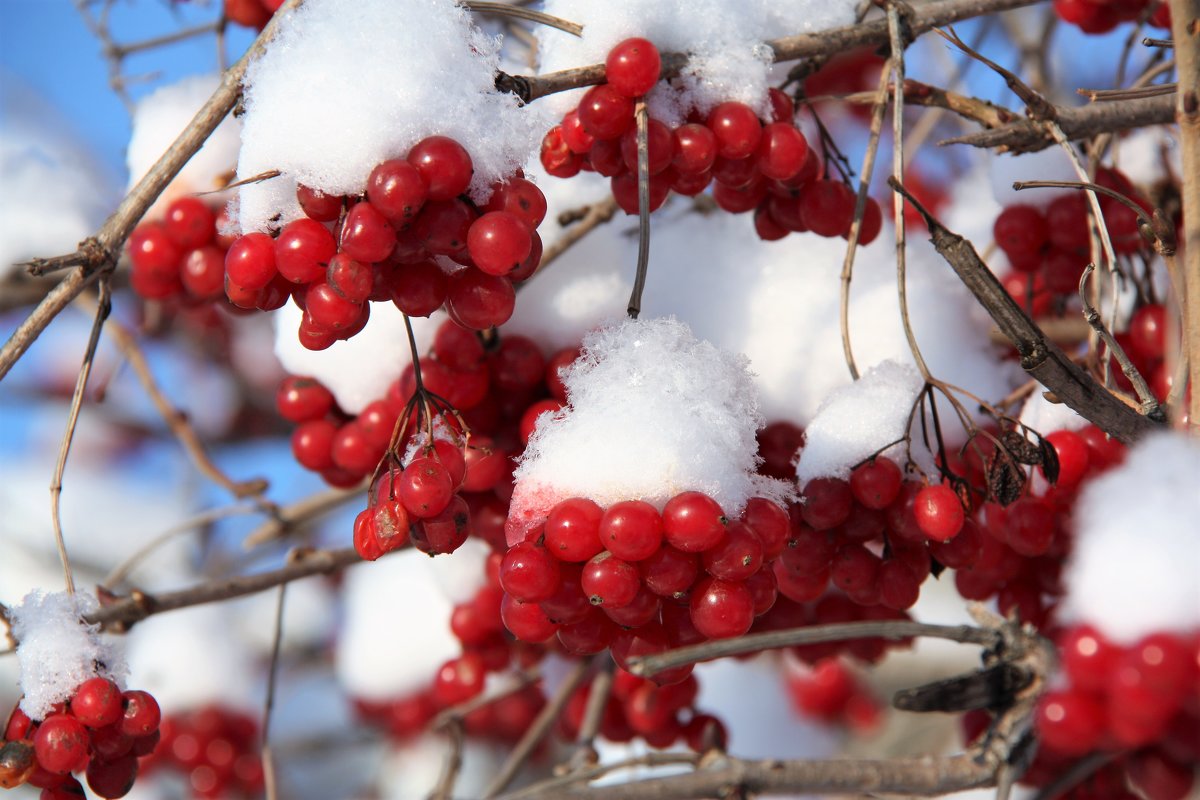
<point x="1101" y="16"/>
<point x="101" y="731"/>
<point x="762" y="166"/>
<point x="348" y="251"/>
<point x="182" y="256"/>
<point x="1138" y="701"/>
<point x="830" y="692"/>
<point x="632" y="577"/>
<point x="1048" y="249"/>
<point x="215" y="748"/>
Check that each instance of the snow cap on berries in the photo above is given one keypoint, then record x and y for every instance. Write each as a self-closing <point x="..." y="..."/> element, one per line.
<point x="728" y="58"/>
<point x="859" y="421"/>
<point x="347" y="84"/>
<point x="57" y="650"/>
<point x="652" y="411"/>
<point x="1133" y="568"/>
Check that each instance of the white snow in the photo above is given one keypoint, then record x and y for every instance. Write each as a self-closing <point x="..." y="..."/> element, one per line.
<point x="1050" y="164"/>
<point x="396" y="631"/>
<point x="55" y="192"/>
<point x="1046" y="417"/>
<point x="651" y="411"/>
<point x="856" y="421"/>
<point x="348" y="84"/>
<point x="57" y="650"/>
<point x="159" y="119"/>
<point x="360" y="369"/>
<point x="1133" y="569"/>
<point x="726" y="39"/>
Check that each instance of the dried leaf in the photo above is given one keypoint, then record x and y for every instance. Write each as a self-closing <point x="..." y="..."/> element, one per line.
<point x="1005" y="480"/>
<point x="1049" y="460"/>
<point x="1021" y="449"/>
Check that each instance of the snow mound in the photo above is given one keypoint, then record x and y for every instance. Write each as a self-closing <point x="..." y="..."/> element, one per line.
<point x="57" y="650"/>
<point x="859" y="420"/>
<point x="729" y="59"/>
<point x="652" y="411"/>
<point x="1133" y="569"/>
<point x="1046" y="417"/>
<point x="350" y="83"/>
<point x="159" y="119"/>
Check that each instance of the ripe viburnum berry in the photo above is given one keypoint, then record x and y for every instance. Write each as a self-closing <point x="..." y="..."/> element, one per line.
<point x="632" y="67"/>
<point x="938" y="512"/>
<point x="97" y="702"/>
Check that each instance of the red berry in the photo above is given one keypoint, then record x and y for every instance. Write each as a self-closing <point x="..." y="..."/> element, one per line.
<point x="1020" y="231"/>
<point x="303" y="250"/>
<point x="526" y="621"/>
<point x="669" y="572"/>
<point x="366" y="234"/>
<point x="721" y="609"/>
<point x="736" y="128"/>
<point x="317" y="205"/>
<point x="203" y="272"/>
<point x="520" y="197"/>
<point x="142" y="714"/>
<point x="458" y="680"/>
<point x="695" y="149"/>
<point x="782" y="151"/>
<point x="190" y="223"/>
<point x="572" y="530"/>
<point x="97" y="703"/>
<point x="827" y="503"/>
<point x="398" y="190"/>
<point x="112" y="778"/>
<point x="855" y="570"/>
<point x="1070" y="723"/>
<point x="827" y="207"/>
<point x="632" y="67"/>
<point x="557" y="158"/>
<point x="693" y="522"/>
<point x="498" y="242"/>
<point x="418" y="289"/>
<point x="329" y="309"/>
<point x="529" y="573"/>
<point x="312" y="444"/>
<point x="1148" y="332"/>
<point x="876" y="483"/>
<point x="445" y="532"/>
<point x="366" y="540"/>
<point x="631" y="530"/>
<point x="479" y="301"/>
<point x="609" y="581"/>
<point x="770" y="525"/>
<point x="1072" y="452"/>
<point x="61" y="744"/>
<point x="660" y="147"/>
<point x="425" y="487"/>
<point x="605" y="113"/>
<point x="939" y="512"/>
<point x="737" y="556"/>
<point x="573" y="135"/>
<point x="250" y="262"/>
<point x="444" y="164"/>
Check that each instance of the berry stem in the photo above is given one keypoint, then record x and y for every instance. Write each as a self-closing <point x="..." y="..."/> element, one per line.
<point x="268" y="759"/>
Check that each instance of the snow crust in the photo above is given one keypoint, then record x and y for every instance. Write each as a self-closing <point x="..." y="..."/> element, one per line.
<point x="159" y="118"/>
<point x="651" y="411"/>
<point x="1133" y="569"/>
<point x="1046" y="417"/>
<point x="729" y="59"/>
<point x="350" y="83"/>
<point x="857" y="420"/>
<point x="57" y="650"/>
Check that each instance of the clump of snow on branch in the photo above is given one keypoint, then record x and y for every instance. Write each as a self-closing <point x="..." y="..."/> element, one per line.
<point x="357" y="370"/>
<point x="1133" y="568"/>
<point x="652" y="411"/>
<point x="859" y="421"/>
<point x="725" y="39"/>
<point x="1046" y="417"/>
<point x="57" y="650"/>
<point x="159" y="119"/>
<point x="347" y="84"/>
<point x="55" y="192"/>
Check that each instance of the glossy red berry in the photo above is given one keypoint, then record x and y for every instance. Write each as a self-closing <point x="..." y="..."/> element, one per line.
<point x="97" y="703"/>
<point x="737" y="556"/>
<point x="609" y="581"/>
<point x="112" y="778"/>
<point x="1020" y="231"/>
<point x="827" y="207"/>
<point x="479" y="301"/>
<point x="1070" y="722"/>
<point x="693" y="522"/>
<point x="190" y="223"/>
<point x="141" y="716"/>
<point x="695" y="149"/>
<point x="61" y="744"/>
<point x="632" y="67"/>
<point x="444" y="165"/>
<point x="398" y="190"/>
<point x="417" y="289"/>
<point x="605" y="113"/>
<point x="498" y="242"/>
<point x="303" y="250"/>
<point x="366" y="234"/>
<point x="782" y="151"/>
<point x="529" y="573"/>
<point x="250" y="262"/>
<point x="721" y="609"/>
<point x="631" y="530"/>
<point x="876" y="483"/>
<point x="520" y="197"/>
<point x="938" y="512"/>
<point x="736" y="129"/>
<point x="572" y="530"/>
<point x="425" y="487"/>
<point x="660" y="148"/>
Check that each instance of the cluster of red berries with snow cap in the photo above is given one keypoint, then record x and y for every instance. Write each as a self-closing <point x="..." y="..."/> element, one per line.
<point x="348" y="251"/>
<point x="1101" y="16"/>
<point x="1139" y="701"/>
<point x="100" y="731"/>
<point x="764" y="167"/>
<point x="636" y="579"/>
<point x="215" y="748"/>
<point x="182" y="256"/>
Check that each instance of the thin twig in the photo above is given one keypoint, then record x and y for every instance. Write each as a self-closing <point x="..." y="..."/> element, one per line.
<point x="97" y="255"/>
<point x="103" y="307"/>
<point x="1185" y="33"/>
<point x="1151" y="42"/>
<point x="118" y="573"/>
<point x="596" y="215"/>
<point x="812" y="634"/>
<point x="536" y="731"/>
<point x="291" y="517"/>
<point x="593" y="714"/>
<point x="178" y="422"/>
<point x="120" y="51"/>
<point x="860" y="205"/>
<point x="651" y="759"/>
<point x="453" y="763"/>
<point x="1149" y="405"/>
<point x="643" y="179"/>
<point x="268" y="758"/>
<point x="517" y="12"/>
